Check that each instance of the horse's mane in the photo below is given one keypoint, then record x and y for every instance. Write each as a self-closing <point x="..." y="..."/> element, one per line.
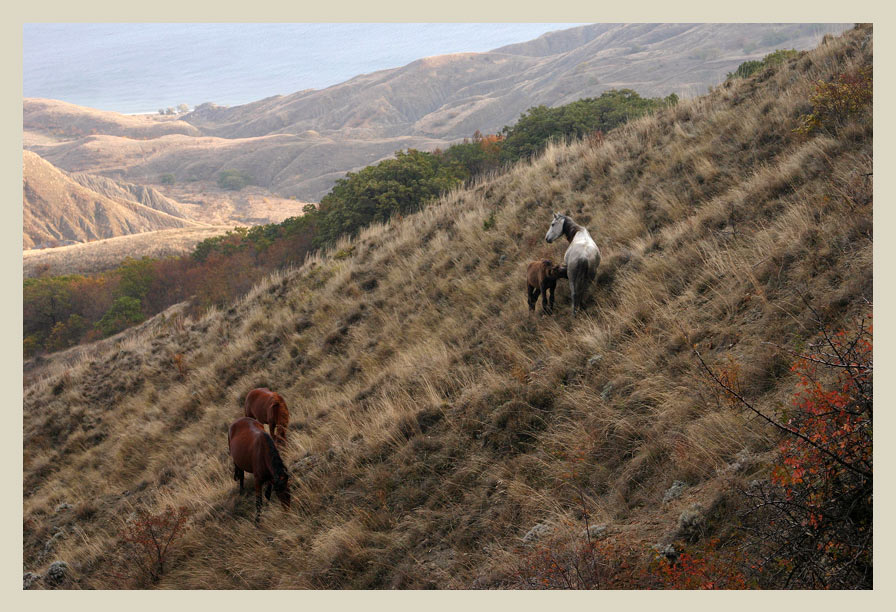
<point x="570" y="228"/>
<point x="276" y="461"/>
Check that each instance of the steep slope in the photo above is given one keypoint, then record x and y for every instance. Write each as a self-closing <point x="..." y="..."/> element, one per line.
<point x="434" y="423"/>
<point x="57" y="208"/>
<point x="300" y="144"/>
<point x="147" y="196"/>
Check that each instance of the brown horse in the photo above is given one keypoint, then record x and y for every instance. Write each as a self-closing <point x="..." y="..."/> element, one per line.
<point x="253" y="451"/>
<point x="268" y="407"/>
<point x="541" y="276"/>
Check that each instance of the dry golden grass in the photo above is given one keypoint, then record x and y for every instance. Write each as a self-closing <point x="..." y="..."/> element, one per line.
<point x="434" y="422"/>
<point x="101" y="255"/>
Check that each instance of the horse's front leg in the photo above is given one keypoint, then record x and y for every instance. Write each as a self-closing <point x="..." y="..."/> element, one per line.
<point x="257" y="502"/>
<point x="572" y="297"/>
<point x="554" y="288"/>
<point x="544" y="298"/>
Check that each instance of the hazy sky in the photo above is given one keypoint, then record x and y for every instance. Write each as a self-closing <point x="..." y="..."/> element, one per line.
<point x="142" y="67"/>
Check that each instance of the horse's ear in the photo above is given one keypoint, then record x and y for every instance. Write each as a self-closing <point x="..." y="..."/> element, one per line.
<point x="556" y="215"/>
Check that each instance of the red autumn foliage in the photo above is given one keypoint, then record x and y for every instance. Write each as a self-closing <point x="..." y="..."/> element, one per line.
<point x="606" y="564"/>
<point x="811" y="522"/>
<point x="816" y="512"/>
<point x="705" y="568"/>
<point x="835" y="101"/>
<point x="616" y="563"/>
<point x="148" y="538"/>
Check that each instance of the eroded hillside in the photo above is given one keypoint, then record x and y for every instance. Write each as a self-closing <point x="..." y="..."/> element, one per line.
<point x="59" y="208"/>
<point x="434" y="422"/>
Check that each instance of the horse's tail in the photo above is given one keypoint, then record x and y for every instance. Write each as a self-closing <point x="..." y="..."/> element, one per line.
<point x="579" y="275"/>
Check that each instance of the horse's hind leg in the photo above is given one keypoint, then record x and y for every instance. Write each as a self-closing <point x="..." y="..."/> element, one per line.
<point x="267" y="491"/>
<point x="544" y="299"/>
<point x="239" y="474"/>
<point x="257" y="502"/>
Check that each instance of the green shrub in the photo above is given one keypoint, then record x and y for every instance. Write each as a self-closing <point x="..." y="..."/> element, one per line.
<point x="779" y="56"/>
<point x="125" y="312"/>
<point x="836" y="101"/>
<point x="745" y="69"/>
<point x="772" y="59"/>
<point x="234" y="180"/>
<point x="374" y="194"/>
<point x="540" y="124"/>
<point x="167" y="179"/>
<point x="64" y="335"/>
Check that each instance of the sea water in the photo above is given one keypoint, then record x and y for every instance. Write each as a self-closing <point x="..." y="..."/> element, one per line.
<point x="141" y="68"/>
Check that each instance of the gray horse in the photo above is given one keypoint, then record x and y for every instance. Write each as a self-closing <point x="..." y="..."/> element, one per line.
<point x="581" y="259"/>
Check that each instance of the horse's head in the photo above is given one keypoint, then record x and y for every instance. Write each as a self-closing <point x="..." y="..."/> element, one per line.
<point x="281" y="488"/>
<point x="556" y="228"/>
<point x="282" y="413"/>
<point x="557" y="272"/>
<point x="280" y="437"/>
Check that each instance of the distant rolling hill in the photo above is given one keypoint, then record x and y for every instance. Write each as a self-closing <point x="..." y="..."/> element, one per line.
<point x="451" y="96"/>
<point x="298" y="145"/>
<point x="59" y="208"/>
<point x="106" y="254"/>
<point x="65" y="121"/>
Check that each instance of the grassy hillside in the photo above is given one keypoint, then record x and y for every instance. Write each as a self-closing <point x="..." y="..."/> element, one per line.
<point x="434" y="422"/>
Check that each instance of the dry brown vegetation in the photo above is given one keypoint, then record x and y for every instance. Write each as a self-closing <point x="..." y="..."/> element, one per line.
<point x="432" y="422"/>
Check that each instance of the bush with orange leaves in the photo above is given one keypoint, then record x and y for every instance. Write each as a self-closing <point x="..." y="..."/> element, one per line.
<point x="147" y="539"/>
<point x="616" y="563"/>
<point x="811" y="521"/>
<point x="707" y="567"/>
<point x="814" y="517"/>
<point x="589" y="564"/>
<point x="835" y="101"/>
